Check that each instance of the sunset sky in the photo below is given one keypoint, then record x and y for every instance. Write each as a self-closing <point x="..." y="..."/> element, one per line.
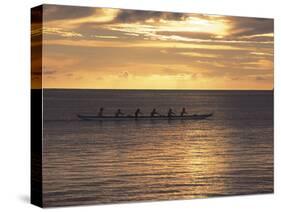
<point x="100" y="48"/>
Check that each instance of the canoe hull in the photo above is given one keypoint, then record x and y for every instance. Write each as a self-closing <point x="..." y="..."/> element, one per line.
<point x="132" y="118"/>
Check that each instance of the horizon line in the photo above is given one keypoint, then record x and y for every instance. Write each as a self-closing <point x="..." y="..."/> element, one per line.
<point x="148" y="89"/>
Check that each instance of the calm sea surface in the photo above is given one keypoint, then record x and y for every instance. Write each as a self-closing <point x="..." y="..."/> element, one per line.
<point x="84" y="162"/>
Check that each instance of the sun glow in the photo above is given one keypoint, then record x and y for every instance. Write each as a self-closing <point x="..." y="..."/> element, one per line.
<point x="216" y="26"/>
<point x="128" y="49"/>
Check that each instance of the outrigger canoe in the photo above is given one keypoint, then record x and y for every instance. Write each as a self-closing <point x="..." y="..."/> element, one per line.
<point x="128" y="118"/>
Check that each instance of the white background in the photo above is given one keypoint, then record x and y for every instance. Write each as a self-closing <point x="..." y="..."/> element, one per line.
<point x="15" y="103"/>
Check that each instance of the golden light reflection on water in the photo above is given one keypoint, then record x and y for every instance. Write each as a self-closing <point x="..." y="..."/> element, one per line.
<point x="86" y="162"/>
<point x="163" y="166"/>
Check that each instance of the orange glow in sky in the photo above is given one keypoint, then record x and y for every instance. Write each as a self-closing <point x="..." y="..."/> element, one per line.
<point x="127" y="49"/>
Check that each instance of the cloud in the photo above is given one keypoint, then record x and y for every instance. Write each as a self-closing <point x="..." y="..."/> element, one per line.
<point x="196" y="54"/>
<point x="261" y="78"/>
<point x="144" y="44"/>
<point x="261" y="53"/>
<point x="133" y="16"/>
<point x="61" y="32"/>
<point x="62" y="12"/>
<point x="93" y="16"/>
<point x="105" y="46"/>
<point x="124" y="75"/>
<point x="182" y="72"/>
<point x="105" y="36"/>
<point x="68" y="21"/>
<point x="47" y="71"/>
<point x="243" y="26"/>
<point x="175" y="30"/>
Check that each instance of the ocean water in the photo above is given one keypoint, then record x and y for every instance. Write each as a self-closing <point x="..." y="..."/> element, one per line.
<point x="88" y="162"/>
